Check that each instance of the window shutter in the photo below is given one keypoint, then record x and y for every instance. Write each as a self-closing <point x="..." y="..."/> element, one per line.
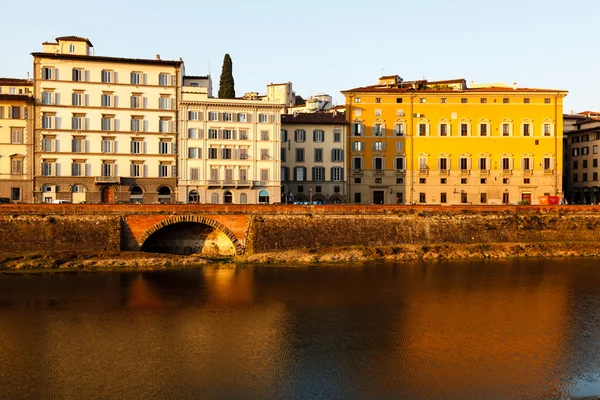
<point x="58" y="171"/>
<point x="145" y="79"/>
<point x="88" y="169"/>
<point x="145" y="171"/>
<point x="383" y="133"/>
<point x="200" y="133"/>
<point x="314" y="136"/>
<point x="234" y="134"/>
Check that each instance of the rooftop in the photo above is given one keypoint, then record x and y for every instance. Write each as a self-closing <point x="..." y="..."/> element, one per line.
<point x="314" y="118"/>
<point x="56" y="56"/>
<point x="75" y="39"/>
<point x="15" y="82"/>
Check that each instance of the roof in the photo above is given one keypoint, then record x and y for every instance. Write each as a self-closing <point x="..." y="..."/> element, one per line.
<point x="383" y="89"/>
<point x="16" y="97"/>
<point x="314" y="118"/>
<point x="15" y="82"/>
<point x="389" y="76"/>
<point x="75" y="39"/>
<point x="195" y="77"/>
<point x="107" y="59"/>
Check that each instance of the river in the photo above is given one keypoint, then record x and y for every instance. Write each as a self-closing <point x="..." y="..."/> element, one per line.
<point x="465" y="330"/>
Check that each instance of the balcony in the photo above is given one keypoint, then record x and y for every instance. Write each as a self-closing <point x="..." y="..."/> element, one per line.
<point x="401" y="172"/>
<point x="444" y="171"/>
<point x="378" y="171"/>
<point x="507" y="172"/>
<point x="244" y="183"/>
<point x="423" y="171"/>
<point x="107" y="179"/>
<point x="484" y="172"/>
<point x="548" y="171"/>
<point x="259" y="183"/>
<point x="358" y="171"/>
<point x="465" y="171"/>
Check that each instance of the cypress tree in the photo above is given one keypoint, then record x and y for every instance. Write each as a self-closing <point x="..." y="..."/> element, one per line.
<point x="226" y="84"/>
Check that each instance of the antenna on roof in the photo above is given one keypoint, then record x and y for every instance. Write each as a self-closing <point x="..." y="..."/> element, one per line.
<point x="209" y="68"/>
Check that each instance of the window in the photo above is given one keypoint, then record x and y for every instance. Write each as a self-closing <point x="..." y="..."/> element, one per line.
<point x="163" y="79"/>
<point x="443" y="100"/>
<point x="421" y="100"/>
<point x="443" y="198"/>
<point x="526" y="100"/>
<point x="48" y="168"/>
<point x="136" y="100"/>
<point x="357" y="99"/>
<point x="137" y="124"/>
<point x="77" y="122"/>
<point x="483" y="198"/>
<point x="527" y="163"/>
<point x="358" y="129"/>
<point x="358" y="146"/>
<point x="444" y="129"/>
<point x="264" y="135"/>
<point x="547" y="130"/>
<point x="422" y="198"/>
<point x="107" y="144"/>
<point x="78" y="144"/>
<point x="16" y="135"/>
<point x="398" y="99"/>
<point x="378" y="146"/>
<point x="213" y="116"/>
<point x="49" y="73"/>
<point x="263" y="118"/>
<point x="243" y="134"/>
<point x="548" y="165"/>
<point x="443" y="164"/>
<point x="243" y="154"/>
<point x="15" y="194"/>
<point x="546" y="100"/>
<point x="594" y="176"/>
<point x="505" y="100"/>
<point x="77" y="168"/>
<point x="585" y="151"/>
<point x="16" y="166"/>
<point x="483" y="100"/>
<point x="106" y="99"/>
<point x="378" y="164"/>
<point x="464" y="129"/>
<point x="137" y="169"/>
<point x="575" y="151"/>
<point x="193" y="115"/>
<point x="299" y="155"/>
<point x="507" y="164"/>
<point x="136" y="78"/>
<point x="463" y="181"/>
<point x="378" y="112"/>
<point x="78" y="75"/>
<point x="337" y="135"/>
<point x="357" y="163"/>
<point x="228" y="134"/>
<point x="527" y="131"/>
<point x="213" y="134"/>
<point x="484" y="163"/>
<point x="377" y="99"/>
<point x="337" y="174"/>
<point x="107" y="76"/>
<point x="399" y="146"/>
<point x="242" y="117"/>
<point x="595" y="163"/>
<point x="318" y="155"/>
<point x="337" y="155"/>
<point x="226" y="154"/>
<point x="505" y="129"/>
<point x="483" y="129"/>
<point x="77" y="98"/>
<point x="318" y="136"/>
<point x="378" y="130"/>
<point x="164" y="125"/>
<point x="399" y="130"/>
<point x="299" y="136"/>
<point x="165" y="146"/>
<point x="399" y="163"/>
<point x="137" y="146"/>
<point x="164" y="102"/>
<point x="463" y="100"/>
<point x="422" y="129"/>
<point x="163" y="170"/>
<point x="463" y="198"/>
<point x="107" y="122"/>
<point x="284" y="135"/>
<point x="575" y="164"/>
<point x="423" y="163"/>
<point x="48" y="97"/>
<point x="264" y="154"/>
<point x="357" y="198"/>
<point x="318" y="173"/>
<point x="443" y="181"/>
<point x="464" y="163"/>
<point x="212" y="153"/>
<point x="193" y="152"/>
<point x="47" y="120"/>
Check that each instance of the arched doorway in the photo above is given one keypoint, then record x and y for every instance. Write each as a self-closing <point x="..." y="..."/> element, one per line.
<point x="193" y="197"/>
<point x="164" y="195"/>
<point x="108" y="194"/>
<point x="214" y="198"/>
<point x="78" y="194"/>
<point x="227" y="197"/>
<point x="263" y="197"/>
<point x="136" y="195"/>
<point x="243" y="198"/>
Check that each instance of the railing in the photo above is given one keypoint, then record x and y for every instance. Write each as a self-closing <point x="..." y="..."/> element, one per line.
<point x="507" y="172"/>
<point x="484" y="172"/>
<point x="108" y="179"/>
<point x="548" y="171"/>
<point x="444" y="171"/>
<point x="358" y="171"/>
<point x="465" y="171"/>
<point x="423" y="171"/>
<point x="259" y="183"/>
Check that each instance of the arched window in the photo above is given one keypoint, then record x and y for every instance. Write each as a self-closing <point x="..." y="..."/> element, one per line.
<point x="263" y="197"/>
<point x="227" y="197"/>
<point x="214" y="198"/>
<point x="136" y="195"/>
<point x="164" y="195"/>
<point x="243" y="198"/>
<point x="194" y="197"/>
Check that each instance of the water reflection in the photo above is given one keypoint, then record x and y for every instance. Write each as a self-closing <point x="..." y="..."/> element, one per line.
<point x="451" y="330"/>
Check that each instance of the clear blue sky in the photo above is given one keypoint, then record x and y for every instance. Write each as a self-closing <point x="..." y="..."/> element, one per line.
<point x="328" y="46"/>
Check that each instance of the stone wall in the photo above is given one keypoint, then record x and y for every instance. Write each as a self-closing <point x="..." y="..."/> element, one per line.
<point x="21" y="234"/>
<point x="289" y="232"/>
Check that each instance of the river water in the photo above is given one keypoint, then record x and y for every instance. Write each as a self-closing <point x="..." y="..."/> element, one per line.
<point x="470" y="330"/>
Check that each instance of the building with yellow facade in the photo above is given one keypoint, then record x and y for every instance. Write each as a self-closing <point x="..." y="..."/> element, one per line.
<point x="441" y="142"/>
<point x="105" y="127"/>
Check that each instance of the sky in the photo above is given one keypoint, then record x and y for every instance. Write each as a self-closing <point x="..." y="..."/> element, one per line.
<point x="329" y="46"/>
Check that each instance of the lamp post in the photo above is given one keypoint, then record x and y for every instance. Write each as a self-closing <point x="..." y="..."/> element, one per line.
<point x="310" y="195"/>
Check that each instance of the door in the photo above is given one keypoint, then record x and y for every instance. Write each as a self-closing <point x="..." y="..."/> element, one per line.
<point x="378" y="196"/>
<point x="526" y="197"/>
<point x="108" y="194"/>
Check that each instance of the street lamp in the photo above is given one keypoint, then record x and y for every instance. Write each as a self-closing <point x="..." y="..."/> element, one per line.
<point x="310" y="195"/>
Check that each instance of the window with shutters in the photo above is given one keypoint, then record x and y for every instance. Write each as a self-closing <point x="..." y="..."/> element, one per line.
<point x="527" y="129"/>
<point x="484" y="129"/>
<point x="465" y="129"/>
<point x="443" y="164"/>
<point x="78" y="144"/>
<point x="243" y="154"/>
<point x="164" y="102"/>
<point x="48" y="143"/>
<point x="337" y="155"/>
<point x="213" y="134"/>
<point x="299" y="136"/>
<point x="164" y="79"/>
<point x="136" y="78"/>
<point x="192" y="133"/>
<point x="77" y="122"/>
<point x="378" y="146"/>
<point x="164" y="146"/>
<point x="484" y="163"/>
<point x="212" y="153"/>
<point x="318" y="136"/>
<point x="378" y="164"/>
<point x="106" y="99"/>
<point x="422" y="129"/>
<point x="399" y="130"/>
<point x="107" y="122"/>
<point x="48" y="167"/>
<point x="78" y="75"/>
<point x="264" y="154"/>
<point x="548" y="163"/>
<point x="107" y="145"/>
<point x="47" y="120"/>
<point x="263" y="118"/>
<point x="284" y="135"/>
<point x="48" y="97"/>
<point x="299" y="174"/>
<point x="318" y="174"/>
<point x="264" y="175"/>
<point x="378" y="130"/>
<point x="464" y="163"/>
<point x="242" y="117"/>
<point x="164" y="125"/>
<point x="337" y="174"/>
<point x="318" y="155"/>
<point x="444" y="129"/>
<point x="243" y="134"/>
<point x="357" y="163"/>
<point x="193" y="115"/>
<point x="192" y="152"/>
<point x="264" y="135"/>
<point x="107" y="76"/>
<point x="164" y="170"/>
<point x="527" y="163"/>
<point x="506" y="129"/>
<point x="137" y="145"/>
<point x="243" y="174"/>
<point x="358" y="129"/>
<point x="77" y="168"/>
<point x="400" y="163"/>
<point x="194" y="174"/>
<point x="227" y="134"/>
<point x="226" y="153"/>
<point x="16" y="135"/>
<point x="337" y="135"/>
<point x="213" y="116"/>
<point x="506" y="163"/>
<point x="48" y="73"/>
<point x="137" y="169"/>
<point x="358" y="146"/>
<point x="547" y="129"/>
<point x="16" y="165"/>
<point x="77" y="98"/>
<point x="227" y="116"/>
<point x="136" y="100"/>
<point x="137" y="123"/>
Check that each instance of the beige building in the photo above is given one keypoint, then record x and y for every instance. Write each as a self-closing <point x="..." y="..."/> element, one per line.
<point x="582" y="138"/>
<point x="228" y="148"/>
<point x="312" y="155"/>
<point x="16" y="86"/>
<point x="105" y="127"/>
<point x="16" y="145"/>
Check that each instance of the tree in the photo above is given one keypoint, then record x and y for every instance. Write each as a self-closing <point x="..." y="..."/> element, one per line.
<point x="226" y="84"/>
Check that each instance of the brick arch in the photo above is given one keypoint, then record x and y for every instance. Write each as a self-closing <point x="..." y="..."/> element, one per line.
<point x="197" y="219"/>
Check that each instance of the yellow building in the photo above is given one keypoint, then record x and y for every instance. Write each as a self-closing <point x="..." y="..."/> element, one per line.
<point x="16" y="86"/>
<point x="16" y="147"/>
<point x="444" y="143"/>
<point x="105" y="127"/>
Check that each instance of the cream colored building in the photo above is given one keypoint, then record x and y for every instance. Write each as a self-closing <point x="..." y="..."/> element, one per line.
<point x="312" y="154"/>
<point x="16" y="86"/>
<point x="16" y="146"/>
<point x="228" y="148"/>
<point x="105" y="127"/>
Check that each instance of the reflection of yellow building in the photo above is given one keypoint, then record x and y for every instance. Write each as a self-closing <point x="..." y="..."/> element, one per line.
<point x="441" y="142"/>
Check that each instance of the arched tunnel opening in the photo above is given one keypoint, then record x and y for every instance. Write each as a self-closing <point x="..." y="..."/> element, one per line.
<point x="189" y="238"/>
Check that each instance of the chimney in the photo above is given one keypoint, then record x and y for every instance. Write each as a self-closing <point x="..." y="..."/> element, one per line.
<point x="28" y="79"/>
<point x="472" y="83"/>
<point x="158" y="56"/>
<point x="514" y="85"/>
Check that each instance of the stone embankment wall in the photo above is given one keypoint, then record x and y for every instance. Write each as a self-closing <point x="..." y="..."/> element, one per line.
<point x="457" y="226"/>
<point x="21" y="234"/>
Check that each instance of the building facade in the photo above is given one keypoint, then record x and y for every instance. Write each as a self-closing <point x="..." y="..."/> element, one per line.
<point x="229" y="149"/>
<point x="16" y="146"/>
<point x="422" y="142"/>
<point x="582" y="137"/>
<point x="105" y="127"/>
<point x="312" y="157"/>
